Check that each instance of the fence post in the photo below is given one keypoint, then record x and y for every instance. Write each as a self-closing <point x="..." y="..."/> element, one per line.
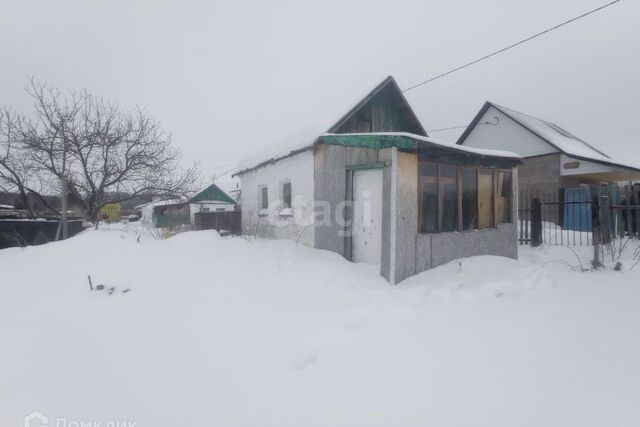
<point x="605" y="219"/>
<point x="635" y="191"/>
<point x="536" y="223"/>
<point x="595" y="225"/>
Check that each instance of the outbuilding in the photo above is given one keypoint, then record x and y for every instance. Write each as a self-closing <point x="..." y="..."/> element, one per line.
<point x="210" y="199"/>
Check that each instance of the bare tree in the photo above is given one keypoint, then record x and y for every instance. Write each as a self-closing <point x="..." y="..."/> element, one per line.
<point x="106" y="154"/>
<point x="16" y="170"/>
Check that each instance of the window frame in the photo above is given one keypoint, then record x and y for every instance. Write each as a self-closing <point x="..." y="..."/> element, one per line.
<point x="282" y="195"/>
<point x="421" y="197"/>
<point x="262" y="189"/>
<point x="498" y="190"/>
<point x="493" y="209"/>
<point x="495" y="221"/>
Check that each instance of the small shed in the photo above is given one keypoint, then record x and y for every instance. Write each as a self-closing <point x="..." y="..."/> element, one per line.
<point x="111" y="212"/>
<point x="211" y="199"/>
<point x="164" y="213"/>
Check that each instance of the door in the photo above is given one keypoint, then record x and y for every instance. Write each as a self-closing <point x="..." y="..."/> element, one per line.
<point x="367" y="216"/>
<point x="577" y="213"/>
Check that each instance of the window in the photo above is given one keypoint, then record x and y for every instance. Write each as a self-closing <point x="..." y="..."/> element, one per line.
<point x="452" y="198"/>
<point x="504" y="195"/>
<point x="264" y="197"/>
<point x="286" y="195"/>
<point x="485" y="198"/>
<point x="448" y="197"/>
<point x="428" y="197"/>
<point x="204" y="209"/>
<point x="469" y="198"/>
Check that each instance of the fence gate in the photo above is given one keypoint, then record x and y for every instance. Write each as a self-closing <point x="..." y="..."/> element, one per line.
<point x="544" y="218"/>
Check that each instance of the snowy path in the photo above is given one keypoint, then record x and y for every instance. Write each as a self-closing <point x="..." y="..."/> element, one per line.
<point x="232" y="332"/>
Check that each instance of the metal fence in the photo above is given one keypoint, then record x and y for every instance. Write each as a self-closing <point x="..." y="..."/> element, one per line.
<point x="575" y="220"/>
<point x="544" y="218"/>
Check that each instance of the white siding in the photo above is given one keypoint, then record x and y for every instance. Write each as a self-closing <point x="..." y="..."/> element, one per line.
<point x="584" y="167"/>
<point x="507" y="135"/>
<point x="299" y="170"/>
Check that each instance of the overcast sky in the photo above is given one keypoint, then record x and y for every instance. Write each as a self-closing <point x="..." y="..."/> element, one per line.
<point x="227" y="78"/>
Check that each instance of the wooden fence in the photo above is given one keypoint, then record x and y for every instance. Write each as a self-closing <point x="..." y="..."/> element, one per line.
<point x="228" y="222"/>
<point x="27" y="232"/>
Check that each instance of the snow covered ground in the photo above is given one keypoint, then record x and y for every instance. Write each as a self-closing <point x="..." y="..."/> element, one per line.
<point x="231" y="332"/>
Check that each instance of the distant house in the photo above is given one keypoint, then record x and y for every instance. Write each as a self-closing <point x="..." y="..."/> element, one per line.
<point x="164" y="213"/>
<point x="373" y="187"/>
<point x="110" y="212"/>
<point x="554" y="159"/>
<point x="211" y="199"/>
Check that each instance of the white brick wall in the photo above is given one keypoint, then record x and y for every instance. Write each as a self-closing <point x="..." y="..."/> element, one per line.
<point x="299" y="170"/>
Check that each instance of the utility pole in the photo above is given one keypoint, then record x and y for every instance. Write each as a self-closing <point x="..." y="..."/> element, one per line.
<point x="63" y="218"/>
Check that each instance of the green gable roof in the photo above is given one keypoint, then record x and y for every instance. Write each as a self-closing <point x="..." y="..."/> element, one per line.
<point x="212" y="193"/>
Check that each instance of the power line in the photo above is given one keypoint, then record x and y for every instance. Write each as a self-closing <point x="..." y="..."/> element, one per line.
<point x="511" y="46"/>
<point x="443" y="129"/>
<point x="497" y="120"/>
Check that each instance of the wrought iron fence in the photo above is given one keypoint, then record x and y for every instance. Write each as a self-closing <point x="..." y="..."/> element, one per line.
<point x="546" y="219"/>
<point x="575" y="220"/>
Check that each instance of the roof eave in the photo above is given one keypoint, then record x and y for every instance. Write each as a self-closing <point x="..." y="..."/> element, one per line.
<point x="473" y="123"/>
<point x="275" y="159"/>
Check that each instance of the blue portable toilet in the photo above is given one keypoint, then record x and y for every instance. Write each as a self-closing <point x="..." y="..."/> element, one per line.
<point x="577" y="216"/>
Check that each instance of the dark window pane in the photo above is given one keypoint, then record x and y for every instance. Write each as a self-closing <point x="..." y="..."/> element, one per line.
<point x="504" y="196"/>
<point x="469" y="199"/>
<point x="286" y="194"/>
<point x="485" y="198"/>
<point x="448" y="200"/>
<point x="264" y="198"/>
<point x="428" y="187"/>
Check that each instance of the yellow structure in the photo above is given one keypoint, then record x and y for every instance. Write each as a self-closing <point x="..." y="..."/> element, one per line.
<point x="110" y="212"/>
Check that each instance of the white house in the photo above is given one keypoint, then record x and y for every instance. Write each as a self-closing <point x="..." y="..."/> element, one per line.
<point x="211" y="199"/>
<point x="373" y="187"/>
<point x="553" y="158"/>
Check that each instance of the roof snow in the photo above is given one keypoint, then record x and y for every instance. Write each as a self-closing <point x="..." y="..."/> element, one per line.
<point x="327" y="113"/>
<point x="307" y="136"/>
<point x="431" y="141"/>
<point x="560" y="138"/>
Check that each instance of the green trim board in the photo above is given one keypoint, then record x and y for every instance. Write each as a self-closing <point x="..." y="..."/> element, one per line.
<point x="363" y="166"/>
<point x="370" y="141"/>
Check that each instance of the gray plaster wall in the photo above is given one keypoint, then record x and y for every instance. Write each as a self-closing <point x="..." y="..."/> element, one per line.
<point x="417" y="252"/>
<point x="329" y="186"/>
<point x="541" y="173"/>
<point x="384" y="155"/>
<point x="414" y="252"/>
<point x="436" y="249"/>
